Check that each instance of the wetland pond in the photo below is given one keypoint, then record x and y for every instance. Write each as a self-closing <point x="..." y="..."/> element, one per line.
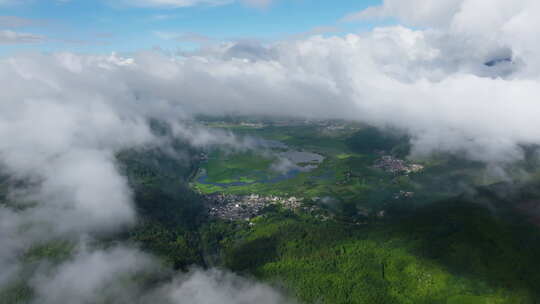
<point x="288" y="164"/>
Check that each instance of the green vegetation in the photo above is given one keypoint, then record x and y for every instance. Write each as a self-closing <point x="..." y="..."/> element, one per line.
<point x="326" y="180"/>
<point x="16" y="292"/>
<point x="170" y="212"/>
<point x="451" y="252"/>
<point x="346" y="174"/>
<point x="427" y="249"/>
<point x="243" y="167"/>
<point x="177" y="247"/>
<point x="369" y="140"/>
<point x="434" y="247"/>
<point x="159" y="181"/>
<point x="51" y="252"/>
<point x="55" y="251"/>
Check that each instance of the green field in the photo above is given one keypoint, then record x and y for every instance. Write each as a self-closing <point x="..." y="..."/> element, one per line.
<point x="245" y="167"/>
<point x="346" y="174"/>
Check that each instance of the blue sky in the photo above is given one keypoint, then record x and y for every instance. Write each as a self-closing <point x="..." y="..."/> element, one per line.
<point x="128" y="25"/>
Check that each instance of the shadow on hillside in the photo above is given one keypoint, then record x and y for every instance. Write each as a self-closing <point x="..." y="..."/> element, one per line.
<point x="253" y="254"/>
<point x="467" y="239"/>
<point x="482" y="238"/>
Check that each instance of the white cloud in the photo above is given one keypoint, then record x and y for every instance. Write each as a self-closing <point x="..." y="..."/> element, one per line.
<point x="111" y="276"/>
<point x="66" y="116"/>
<point x="94" y="276"/>
<point x="216" y="287"/>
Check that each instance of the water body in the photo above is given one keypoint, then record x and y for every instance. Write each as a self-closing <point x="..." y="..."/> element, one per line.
<point x="303" y="157"/>
<point x="293" y="157"/>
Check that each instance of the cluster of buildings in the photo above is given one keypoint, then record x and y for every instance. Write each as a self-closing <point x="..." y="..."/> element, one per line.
<point x="238" y="207"/>
<point x="201" y="157"/>
<point x="397" y="166"/>
<point x="256" y="125"/>
<point x="403" y="194"/>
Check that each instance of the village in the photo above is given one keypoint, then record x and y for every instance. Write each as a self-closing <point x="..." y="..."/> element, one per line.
<point x="245" y="207"/>
<point x="394" y="165"/>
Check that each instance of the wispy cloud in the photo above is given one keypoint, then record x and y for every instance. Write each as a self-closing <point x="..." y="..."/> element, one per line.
<point x="12" y="37"/>
<point x="16" y="22"/>
<point x="319" y="30"/>
<point x="185" y="37"/>
<point x="257" y="3"/>
<point x="11" y="2"/>
<point x="189" y="3"/>
<point x="431" y="12"/>
<point x="162" y="17"/>
<point x="173" y="3"/>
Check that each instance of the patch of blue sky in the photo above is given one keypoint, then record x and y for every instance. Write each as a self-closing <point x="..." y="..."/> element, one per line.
<point x="97" y="26"/>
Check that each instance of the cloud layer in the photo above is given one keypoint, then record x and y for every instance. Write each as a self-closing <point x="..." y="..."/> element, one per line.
<point x="63" y="119"/>
<point x="109" y="276"/>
